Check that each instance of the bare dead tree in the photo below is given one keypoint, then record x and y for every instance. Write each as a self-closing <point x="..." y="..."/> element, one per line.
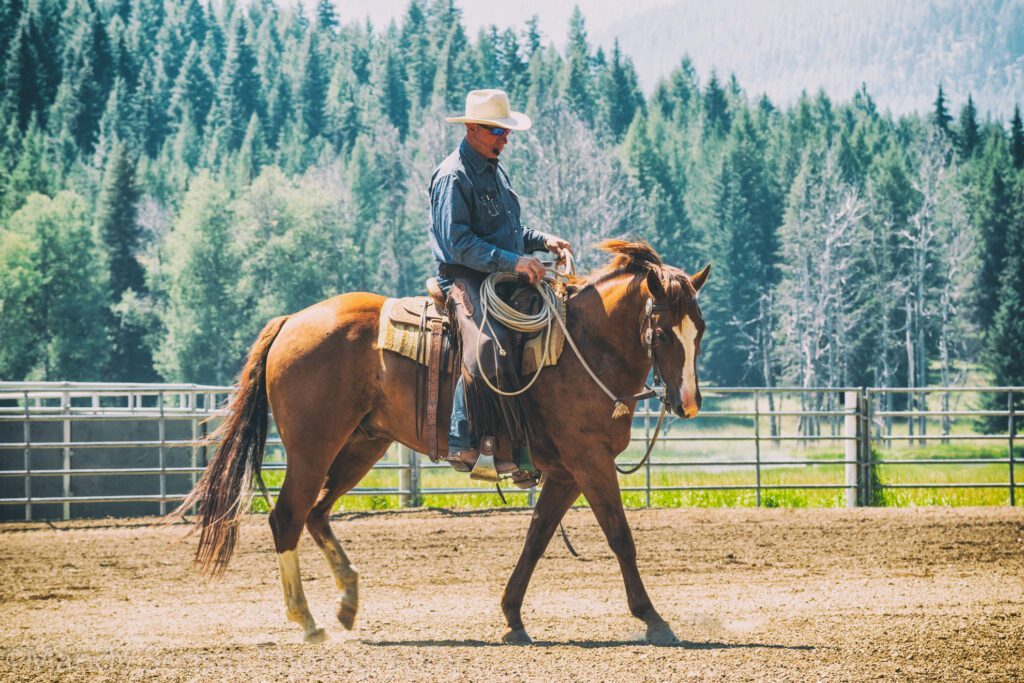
<point x="571" y="187"/>
<point x="817" y="297"/>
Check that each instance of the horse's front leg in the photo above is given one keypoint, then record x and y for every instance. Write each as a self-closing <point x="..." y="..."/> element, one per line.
<point x="601" y="487"/>
<point x="559" y="492"/>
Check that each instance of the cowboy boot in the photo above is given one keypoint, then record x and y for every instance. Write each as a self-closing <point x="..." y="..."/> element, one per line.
<point x="462" y="460"/>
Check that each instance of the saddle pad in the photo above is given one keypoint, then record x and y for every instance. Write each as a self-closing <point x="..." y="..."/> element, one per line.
<point x="400" y="336"/>
<point x="533" y="348"/>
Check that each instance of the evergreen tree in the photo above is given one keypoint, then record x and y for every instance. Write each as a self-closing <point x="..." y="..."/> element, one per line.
<point x="33" y="171"/>
<point x="312" y="93"/>
<point x="453" y="72"/>
<point x="86" y="77"/>
<point x="120" y="122"/>
<point x="678" y="93"/>
<point x="252" y="156"/>
<point x="620" y="95"/>
<point x="237" y="89"/>
<point x="119" y="231"/>
<point x="716" y="109"/>
<point x="340" y="110"/>
<point x="417" y="53"/>
<point x="1006" y="336"/>
<point x="513" y="71"/>
<point x="326" y="16"/>
<point x="577" y="79"/>
<point x="941" y="117"/>
<point x="1017" y="139"/>
<point x="991" y="204"/>
<point x="10" y="14"/>
<point x="193" y="89"/>
<point x="747" y="213"/>
<point x="116" y="223"/>
<point x="31" y="72"/>
<point x="969" y="134"/>
<point x="532" y="37"/>
<point x="662" y="187"/>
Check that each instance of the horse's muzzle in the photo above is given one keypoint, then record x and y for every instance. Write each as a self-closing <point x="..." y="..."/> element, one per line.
<point x="688" y="406"/>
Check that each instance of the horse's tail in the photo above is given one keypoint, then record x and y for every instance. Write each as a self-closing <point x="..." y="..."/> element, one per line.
<point x="223" y="494"/>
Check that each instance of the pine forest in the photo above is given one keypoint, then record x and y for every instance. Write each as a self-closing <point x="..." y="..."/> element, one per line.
<point x="175" y="173"/>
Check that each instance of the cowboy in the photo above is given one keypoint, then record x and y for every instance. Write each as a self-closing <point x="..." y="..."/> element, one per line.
<point x="475" y="230"/>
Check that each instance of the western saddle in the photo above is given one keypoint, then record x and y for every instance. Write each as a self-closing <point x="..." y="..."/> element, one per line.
<point x="419" y="328"/>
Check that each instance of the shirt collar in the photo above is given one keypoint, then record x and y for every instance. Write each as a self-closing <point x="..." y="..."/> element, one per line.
<point x="475" y="160"/>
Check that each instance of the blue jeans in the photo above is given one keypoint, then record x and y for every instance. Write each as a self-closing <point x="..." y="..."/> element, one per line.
<point x="459" y="436"/>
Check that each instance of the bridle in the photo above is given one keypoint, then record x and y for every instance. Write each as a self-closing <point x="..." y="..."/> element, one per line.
<point x="649" y="338"/>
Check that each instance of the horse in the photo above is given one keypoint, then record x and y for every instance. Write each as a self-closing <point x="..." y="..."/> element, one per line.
<point x="339" y="402"/>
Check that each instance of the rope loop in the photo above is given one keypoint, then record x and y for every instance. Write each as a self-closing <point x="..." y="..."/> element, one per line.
<point x="493" y="307"/>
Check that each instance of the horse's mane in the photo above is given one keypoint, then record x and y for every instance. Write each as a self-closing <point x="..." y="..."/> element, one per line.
<point x="639" y="258"/>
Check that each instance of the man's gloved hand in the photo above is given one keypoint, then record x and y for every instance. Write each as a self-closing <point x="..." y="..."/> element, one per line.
<point x="556" y="245"/>
<point x="531" y="269"/>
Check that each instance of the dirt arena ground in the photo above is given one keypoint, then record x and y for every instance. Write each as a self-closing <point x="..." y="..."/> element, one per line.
<point x="891" y="594"/>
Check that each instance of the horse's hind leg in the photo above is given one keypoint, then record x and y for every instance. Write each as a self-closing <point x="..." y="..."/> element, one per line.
<point x="304" y="479"/>
<point x="349" y="467"/>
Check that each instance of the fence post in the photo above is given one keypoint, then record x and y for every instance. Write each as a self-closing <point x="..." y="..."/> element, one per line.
<point x="757" y="446"/>
<point x="161" y="455"/>
<point x="408" y="477"/>
<point x="865" y="468"/>
<point x="1013" y="427"/>
<point x="65" y="408"/>
<point x="193" y="408"/>
<point x="28" y="462"/>
<point x="851" y="406"/>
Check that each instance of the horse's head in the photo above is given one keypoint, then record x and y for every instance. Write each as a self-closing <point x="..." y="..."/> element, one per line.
<point x="677" y="327"/>
<point x="674" y="322"/>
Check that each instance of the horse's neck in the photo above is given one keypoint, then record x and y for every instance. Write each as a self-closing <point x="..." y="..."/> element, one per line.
<point x="608" y="319"/>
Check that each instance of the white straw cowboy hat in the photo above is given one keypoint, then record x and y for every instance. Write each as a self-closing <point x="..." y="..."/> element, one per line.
<point x="492" y="107"/>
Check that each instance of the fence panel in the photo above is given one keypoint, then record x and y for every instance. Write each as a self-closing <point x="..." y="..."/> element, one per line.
<point x="134" y="448"/>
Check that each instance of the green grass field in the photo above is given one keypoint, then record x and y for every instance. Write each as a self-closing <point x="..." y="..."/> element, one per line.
<point x="771" y="476"/>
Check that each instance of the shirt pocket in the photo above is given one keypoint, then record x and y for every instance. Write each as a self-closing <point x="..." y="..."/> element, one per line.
<point x="490" y="212"/>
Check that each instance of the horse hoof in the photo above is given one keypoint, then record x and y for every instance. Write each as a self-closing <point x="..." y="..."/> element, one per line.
<point x="316" y="636"/>
<point x="661" y="634"/>
<point x="517" y="636"/>
<point x="347" y="615"/>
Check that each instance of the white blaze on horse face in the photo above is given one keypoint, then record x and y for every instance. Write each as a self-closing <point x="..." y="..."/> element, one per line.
<point x="686" y="332"/>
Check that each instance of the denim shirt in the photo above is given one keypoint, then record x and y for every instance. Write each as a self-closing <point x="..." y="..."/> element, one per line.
<point x="474" y="215"/>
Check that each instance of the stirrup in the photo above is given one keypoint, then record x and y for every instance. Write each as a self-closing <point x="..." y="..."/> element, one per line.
<point x="484" y="469"/>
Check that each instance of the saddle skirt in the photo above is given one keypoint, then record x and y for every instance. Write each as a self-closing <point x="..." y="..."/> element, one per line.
<point x="405" y="327"/>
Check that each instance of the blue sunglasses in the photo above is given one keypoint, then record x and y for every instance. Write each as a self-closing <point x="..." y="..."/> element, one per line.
<point x="495" y="131"/>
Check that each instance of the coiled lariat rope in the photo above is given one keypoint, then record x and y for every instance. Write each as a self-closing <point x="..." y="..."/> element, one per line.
<point x="495" y="308"/>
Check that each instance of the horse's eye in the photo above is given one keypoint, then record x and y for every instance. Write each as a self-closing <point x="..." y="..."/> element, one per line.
<point x="660" y="335"/>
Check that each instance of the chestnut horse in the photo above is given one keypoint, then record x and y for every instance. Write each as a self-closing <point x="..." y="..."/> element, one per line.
<point x="339" y="402"/>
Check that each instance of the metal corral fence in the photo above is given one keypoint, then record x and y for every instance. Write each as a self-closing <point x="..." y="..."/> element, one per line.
<point x="96" y="449"/>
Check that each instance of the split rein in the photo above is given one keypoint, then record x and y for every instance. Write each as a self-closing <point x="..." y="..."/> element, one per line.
<point x="494" y="308"/>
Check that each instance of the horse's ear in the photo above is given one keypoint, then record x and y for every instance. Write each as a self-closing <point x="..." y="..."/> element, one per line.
<point x="701" y="277"/>
<point x="655" y="285"/>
